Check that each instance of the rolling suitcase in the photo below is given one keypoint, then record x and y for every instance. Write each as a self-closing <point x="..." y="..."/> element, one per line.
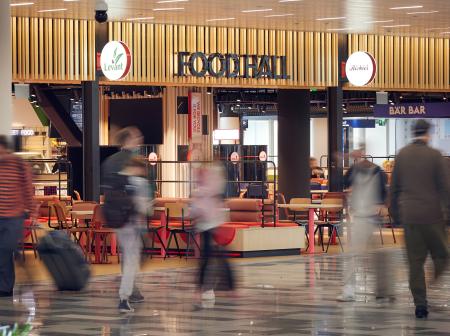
<point x="64" y="260"/>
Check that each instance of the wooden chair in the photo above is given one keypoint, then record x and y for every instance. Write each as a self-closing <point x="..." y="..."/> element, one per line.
<point x="386" y="222"/>
<point x="332" y="220"/>
<point x="177" y="224"/>
<point x="101" y="235"/>
<point x="301" y="216"/>
<point x="80" y="227"/>
<point x="64" y="222"/>
<point x="77" y="196"/>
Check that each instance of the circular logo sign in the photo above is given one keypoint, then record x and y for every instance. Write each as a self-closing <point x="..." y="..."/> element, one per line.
<point x="152" y="157"/>
<point x="361" y="68"/>
<point x="262" y="156"/>
<point x="115" y="60"/>
<point x="234" y="157"/>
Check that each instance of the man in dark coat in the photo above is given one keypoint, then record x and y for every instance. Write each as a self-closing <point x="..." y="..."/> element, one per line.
<point x="420" y="203"/>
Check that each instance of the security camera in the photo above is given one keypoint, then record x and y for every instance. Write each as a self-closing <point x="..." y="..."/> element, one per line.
<point x="101" y="11"/>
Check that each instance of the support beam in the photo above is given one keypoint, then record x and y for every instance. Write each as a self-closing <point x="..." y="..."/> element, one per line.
<point x="335" y="139"/>
<point x="91" y="138"/>
<point x="294" y="143"/>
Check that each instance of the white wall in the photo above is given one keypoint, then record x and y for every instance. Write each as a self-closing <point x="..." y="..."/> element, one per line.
<point x="376" y="142"/>
<point x="319" y="138"/>
<point x="23" y="114"/>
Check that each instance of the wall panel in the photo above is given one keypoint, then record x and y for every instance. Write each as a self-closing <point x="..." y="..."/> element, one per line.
<point x="312" y="55"/>
<point x="407" y="62"/>
<point x="52" y="49"/>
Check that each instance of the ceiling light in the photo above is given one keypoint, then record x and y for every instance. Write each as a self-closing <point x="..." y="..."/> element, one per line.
<point x="277" y="15"/>
<point x="380" y="21"/>
<point x="339" y="29"/>
<point x="52" y="10"/>
<point x="429" y="12"/>
<point x="169" y="1"/>
<point x="140" y="18"/>
<point x="429" y="29"/>
<point x="290" y="0"/>
<point x="443" y="33"/>
<point x="331" y="18"/>
<point x="395" y="26"/>
<point x="71" y="0"/>
<point x="22" y="4"/>
<point x="168" y="9"/>
<point x="220" y="19"/>
<point x="257" y="10"/>
<point x="407" y="7"/>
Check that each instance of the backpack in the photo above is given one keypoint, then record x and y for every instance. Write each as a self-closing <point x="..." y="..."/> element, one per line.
<point x="119" y="204"/>
<point x="365" y="192"/>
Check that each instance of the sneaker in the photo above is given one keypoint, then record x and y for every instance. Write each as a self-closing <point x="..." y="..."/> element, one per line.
<point x="136" y="297"/>
<point x="421" y="312"/>
<point x="208" y="295"/>
<point x="124" y="307"/>
<point x="346" y="298"/>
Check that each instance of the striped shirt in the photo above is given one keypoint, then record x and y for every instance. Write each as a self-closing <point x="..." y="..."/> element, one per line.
<point x="16" y="188"/>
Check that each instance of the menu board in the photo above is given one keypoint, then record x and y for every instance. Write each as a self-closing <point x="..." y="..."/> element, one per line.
<point x="76" y="112"/>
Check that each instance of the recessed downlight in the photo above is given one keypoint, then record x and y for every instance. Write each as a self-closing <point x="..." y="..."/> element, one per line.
<point x="397" y="26"/>
<point x="289" y="1"/>
<point x="339" y="29"/>
<point x="379" y="21"/>
<point x="171" y="1"/>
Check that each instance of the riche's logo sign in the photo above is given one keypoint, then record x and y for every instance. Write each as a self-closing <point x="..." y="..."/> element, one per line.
<point x="219" y="65"/>
<point x="361" y="68"/>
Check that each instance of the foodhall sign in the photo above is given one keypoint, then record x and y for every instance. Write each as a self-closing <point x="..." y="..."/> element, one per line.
<point x="199" y="64"/>
<point x="424" y="110"/>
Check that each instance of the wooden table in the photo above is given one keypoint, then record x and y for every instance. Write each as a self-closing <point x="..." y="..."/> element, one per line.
<point x="311" y="208"/>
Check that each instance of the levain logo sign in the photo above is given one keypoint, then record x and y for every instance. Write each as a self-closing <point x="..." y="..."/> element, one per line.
<point x="115" y="65"/>
<point x="115" y="60"/>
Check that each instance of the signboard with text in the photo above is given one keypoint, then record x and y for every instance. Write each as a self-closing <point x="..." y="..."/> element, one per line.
<point x="418" y="110"/>
<point x="195" y="115"/>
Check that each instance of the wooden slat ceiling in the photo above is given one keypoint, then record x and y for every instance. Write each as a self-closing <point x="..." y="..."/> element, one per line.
<point x="357" y="16"/>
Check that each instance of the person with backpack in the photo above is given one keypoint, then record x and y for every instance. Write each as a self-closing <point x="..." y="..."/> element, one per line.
<point x="126" y="208"/>
<point x="367" y="183"/>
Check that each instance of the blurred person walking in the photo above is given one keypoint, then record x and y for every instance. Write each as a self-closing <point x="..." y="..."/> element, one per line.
<point x="207" y="211"/>
<point x="16" y="203"/>
<point x="127" y="208"/>
<point x="420" y="203"/>
<point x="129" y="140"/>
<point x="367" y="182"/>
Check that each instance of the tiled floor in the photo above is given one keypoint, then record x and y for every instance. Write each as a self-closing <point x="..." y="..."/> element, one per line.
<point x="277" y="296"/>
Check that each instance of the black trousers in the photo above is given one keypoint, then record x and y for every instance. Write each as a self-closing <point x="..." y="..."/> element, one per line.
<point x="208" y="276"/>
<point x="422" y="240"/>
<point x="11" y="231"/>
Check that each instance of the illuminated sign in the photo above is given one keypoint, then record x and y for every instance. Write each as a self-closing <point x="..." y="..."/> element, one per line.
<point x="419" y="110"/>
<point x="226" y="134"/>
<point x="22" y="132"/>
<point x="115" y="60"/>
<point x="218" y="65"/>
<point x="360" y="68"/>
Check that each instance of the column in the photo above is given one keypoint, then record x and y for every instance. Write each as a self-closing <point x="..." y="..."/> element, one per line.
<point x="335" y="139"/>
<point x="91" y="139"/>
<point x="5" y="68"/>
<point x="294" y="143"/>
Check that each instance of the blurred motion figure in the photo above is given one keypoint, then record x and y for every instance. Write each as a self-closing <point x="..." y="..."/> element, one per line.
<point x="367" y="182"/>
<point x="420" y="203"/>
<point x="16" y="203"/>
<point x="207" y="211"/>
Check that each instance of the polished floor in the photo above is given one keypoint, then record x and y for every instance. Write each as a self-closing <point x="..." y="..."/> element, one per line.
<point x="276" y="296"/>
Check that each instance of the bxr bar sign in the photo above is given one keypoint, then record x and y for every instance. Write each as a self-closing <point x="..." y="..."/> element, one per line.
<point x="218" y="65"/>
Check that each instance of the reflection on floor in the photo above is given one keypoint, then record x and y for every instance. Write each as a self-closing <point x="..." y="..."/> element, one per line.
<point x="277" y="296"/>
